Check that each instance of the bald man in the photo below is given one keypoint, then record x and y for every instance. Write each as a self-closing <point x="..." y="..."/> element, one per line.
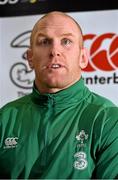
<point x="61" y="130"/>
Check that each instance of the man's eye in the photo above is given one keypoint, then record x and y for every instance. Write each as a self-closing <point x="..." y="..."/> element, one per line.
<point x="66" y="41"/>
<point x="44" y="42"/>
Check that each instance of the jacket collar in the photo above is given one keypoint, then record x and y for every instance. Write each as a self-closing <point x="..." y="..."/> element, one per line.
<point x="73" y="94"/>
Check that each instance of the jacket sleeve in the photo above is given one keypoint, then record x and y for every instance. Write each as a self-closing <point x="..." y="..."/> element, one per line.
<point x="107" y="152"/>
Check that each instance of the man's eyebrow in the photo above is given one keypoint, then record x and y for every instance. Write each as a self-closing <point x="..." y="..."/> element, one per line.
<point x="41" y="34"/>
<point x="67" y="34"/>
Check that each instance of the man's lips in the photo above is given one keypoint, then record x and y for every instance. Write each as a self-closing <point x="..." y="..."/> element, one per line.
<point x="53" y="66"/>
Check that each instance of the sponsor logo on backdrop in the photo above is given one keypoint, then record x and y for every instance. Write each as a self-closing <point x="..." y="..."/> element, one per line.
<point x="103" y="50"/>
<point x="20" y="73"/>
<point x="4" y="2"/>
<point x="12" y="2"/>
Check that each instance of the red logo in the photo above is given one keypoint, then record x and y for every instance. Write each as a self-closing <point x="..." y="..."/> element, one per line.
<point x="103" y="52"/>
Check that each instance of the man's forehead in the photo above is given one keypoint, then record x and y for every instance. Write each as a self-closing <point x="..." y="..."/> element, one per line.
<point x="57" y="28"/>
<point x="57" y="22"/>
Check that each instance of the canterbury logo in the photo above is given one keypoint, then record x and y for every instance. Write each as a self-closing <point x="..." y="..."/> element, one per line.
<point x="11" y="142"/>
<point x="103" y="52"/>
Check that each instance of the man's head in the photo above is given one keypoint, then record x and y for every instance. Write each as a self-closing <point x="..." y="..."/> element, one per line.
<point x="35" y="28"/>
<point x="56" y="52"/>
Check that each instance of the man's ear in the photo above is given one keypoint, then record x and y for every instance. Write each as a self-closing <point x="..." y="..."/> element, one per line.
<point x="30" y="58"/>
<point x="84" y="58"/>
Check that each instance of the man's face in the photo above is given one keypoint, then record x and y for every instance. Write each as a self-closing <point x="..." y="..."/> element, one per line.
<point x="56" y="54"/>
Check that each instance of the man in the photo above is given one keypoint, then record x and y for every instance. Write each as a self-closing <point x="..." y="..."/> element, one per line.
<point x="61" y="130"/>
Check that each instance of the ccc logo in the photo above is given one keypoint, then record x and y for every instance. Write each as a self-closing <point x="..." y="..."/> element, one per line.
<point x="103" y="52"/>
<point x="11" y="141"/>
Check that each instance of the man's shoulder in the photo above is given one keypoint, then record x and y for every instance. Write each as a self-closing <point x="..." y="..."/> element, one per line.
<point x="16" y="104"/>
<point x="100" y="101"/>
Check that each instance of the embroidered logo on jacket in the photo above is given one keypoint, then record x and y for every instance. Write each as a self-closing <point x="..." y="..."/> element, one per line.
<point x="82" y="136"/>
<point x="80" y="162"/>
<point x="80" y="156"/>
<point x="10" y="142"/>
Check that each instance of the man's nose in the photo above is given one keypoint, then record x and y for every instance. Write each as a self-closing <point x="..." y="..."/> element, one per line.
<point x="55" y="50"/>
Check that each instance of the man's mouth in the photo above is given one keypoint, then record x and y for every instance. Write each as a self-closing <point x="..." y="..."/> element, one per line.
<point x="55" y="66"/>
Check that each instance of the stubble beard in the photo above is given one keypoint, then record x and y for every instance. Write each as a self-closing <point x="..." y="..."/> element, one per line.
<point x="52" y="84"/>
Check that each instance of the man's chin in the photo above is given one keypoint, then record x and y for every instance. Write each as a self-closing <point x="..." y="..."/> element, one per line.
<point x="56" y="83"/>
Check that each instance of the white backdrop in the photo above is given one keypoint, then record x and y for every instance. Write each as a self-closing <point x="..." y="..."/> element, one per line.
<point x="100" y="37"/>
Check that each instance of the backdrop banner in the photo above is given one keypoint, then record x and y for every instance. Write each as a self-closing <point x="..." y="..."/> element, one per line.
<point x="100" y="37"/>
<point x="9" y="8"/>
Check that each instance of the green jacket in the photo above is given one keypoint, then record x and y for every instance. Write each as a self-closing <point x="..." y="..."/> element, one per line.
<point x="71" y="134"/>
